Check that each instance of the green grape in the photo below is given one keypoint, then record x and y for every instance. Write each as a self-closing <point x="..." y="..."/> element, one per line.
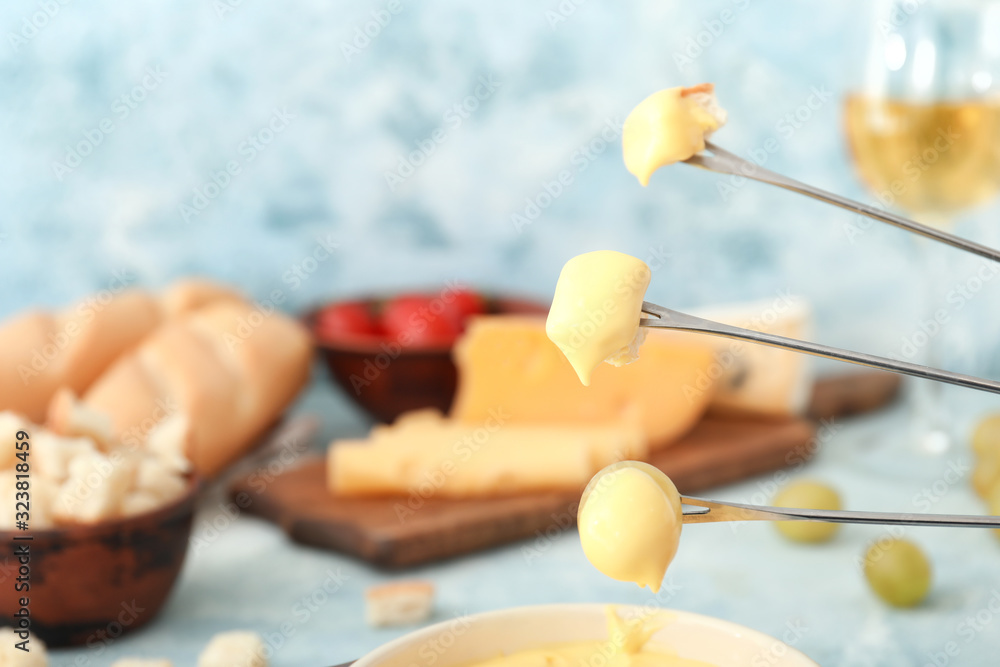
<point x="994" y="505"/>
<point x="986" y="436"/>
<point x="898" y="572"/>
<point x="807" y="495"/>
<point x="986" y="475"/>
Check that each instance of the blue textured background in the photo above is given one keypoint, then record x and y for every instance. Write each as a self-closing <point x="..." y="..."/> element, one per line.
<point x="228" y="67"/>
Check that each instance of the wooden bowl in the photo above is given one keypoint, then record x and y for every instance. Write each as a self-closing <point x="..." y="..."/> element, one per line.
<point x="92" y="583"/>
<point x="386" y="380"/>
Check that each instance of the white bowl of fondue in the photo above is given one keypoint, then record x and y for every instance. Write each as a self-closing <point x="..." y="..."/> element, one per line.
<point x="684" y="640"/>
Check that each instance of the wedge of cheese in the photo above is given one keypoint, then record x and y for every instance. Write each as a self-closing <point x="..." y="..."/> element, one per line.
<point x="757" y="379"/>
<point x="506" y="362"/>
<point x="434" y="456"/>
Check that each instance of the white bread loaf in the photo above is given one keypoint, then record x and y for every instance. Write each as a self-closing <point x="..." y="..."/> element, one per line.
<point x="189" y="294"/>
<point x="224" y="372"/>
<point x="42" y="352"/>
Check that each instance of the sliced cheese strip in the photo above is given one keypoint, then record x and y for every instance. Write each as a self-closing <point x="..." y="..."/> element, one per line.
<point x="757" y="379"/>
<point x="444" y="458"/>
<point x="507" y="362"/>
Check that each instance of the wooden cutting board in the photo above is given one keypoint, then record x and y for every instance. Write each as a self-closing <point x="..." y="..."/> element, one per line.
<point x="399" y="532"/>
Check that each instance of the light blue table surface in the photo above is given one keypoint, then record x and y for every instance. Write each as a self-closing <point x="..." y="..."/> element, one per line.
<point x="243" y="573"/>
<point x="202" y="78"/>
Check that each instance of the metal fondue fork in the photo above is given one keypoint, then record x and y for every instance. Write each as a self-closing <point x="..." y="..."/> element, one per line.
<point x="664" y="318"/>
<point x="711" y="511"/>
<point x="724" y="162"/>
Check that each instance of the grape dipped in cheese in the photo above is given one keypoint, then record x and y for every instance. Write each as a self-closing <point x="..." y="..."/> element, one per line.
<point x="596" y="309"/>
<point x="669" y="126"/>
<point x="630" y="523"/>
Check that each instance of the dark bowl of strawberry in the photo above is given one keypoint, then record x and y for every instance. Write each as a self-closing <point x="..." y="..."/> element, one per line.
<point x="392" y="354"/>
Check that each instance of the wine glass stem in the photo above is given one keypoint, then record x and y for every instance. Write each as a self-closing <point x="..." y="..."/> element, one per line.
<point x="933" y="428"/>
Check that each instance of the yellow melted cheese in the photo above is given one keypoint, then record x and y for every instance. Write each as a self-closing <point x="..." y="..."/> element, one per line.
<point x="668" y="126"/>
<point x="627" y="646"/>
<point x="596" y="309"/>
<point x="630" y="522"/>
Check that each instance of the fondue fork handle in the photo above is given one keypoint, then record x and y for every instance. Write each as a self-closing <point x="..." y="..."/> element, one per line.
<point x="724" y="162"/>
<point x="664" y="318"/>
<point x="712" y="511"/>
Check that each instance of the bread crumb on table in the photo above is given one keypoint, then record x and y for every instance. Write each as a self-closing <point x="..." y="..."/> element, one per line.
<point x="11" y="656"/>
<point x="399" y="603"/>
<point x="238" y="648"/>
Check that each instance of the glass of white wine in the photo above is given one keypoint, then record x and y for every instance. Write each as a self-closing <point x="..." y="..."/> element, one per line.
<point x="924" y="133"/>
